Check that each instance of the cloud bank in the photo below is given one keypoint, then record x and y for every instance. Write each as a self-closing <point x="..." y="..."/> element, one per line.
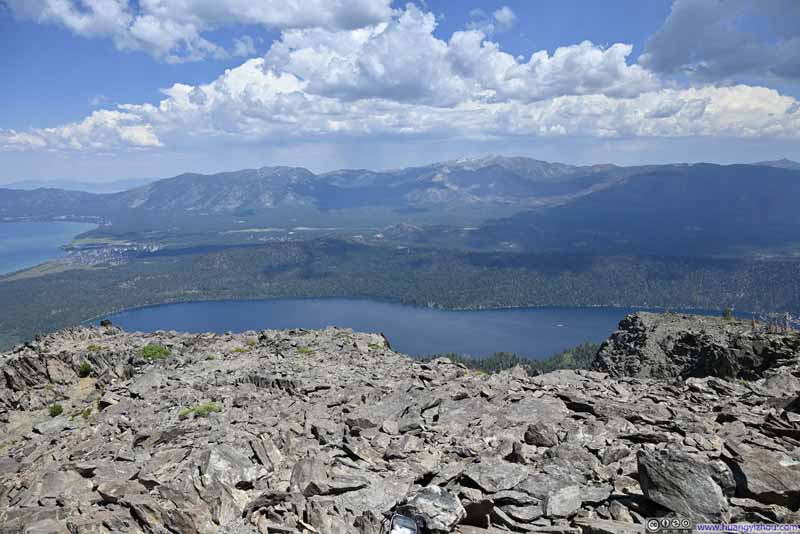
<point x="395" y="79"/>
<point x="172" y="30"/>
<point x="719" y="40"/>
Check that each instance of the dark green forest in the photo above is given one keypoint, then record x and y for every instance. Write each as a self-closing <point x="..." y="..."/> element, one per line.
<point x="579" y="357"/>
<point x="422" y="277"/>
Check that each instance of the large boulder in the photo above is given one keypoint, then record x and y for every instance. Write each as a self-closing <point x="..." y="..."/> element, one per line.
<point x="683" y="485"/>
<point x="440" y="509"/>
<point x="766" y="476"/>
<point x="671" y="345"/>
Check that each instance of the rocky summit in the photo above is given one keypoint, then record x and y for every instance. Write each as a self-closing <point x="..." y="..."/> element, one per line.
<point x="673" y="345"/>
<point x="331" y="432"/>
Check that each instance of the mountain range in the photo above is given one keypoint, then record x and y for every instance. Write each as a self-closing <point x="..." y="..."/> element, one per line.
<point x="781" y="164"/>
<point x="114" y="186"/>
<point x="486" y="181"/>
<point x="514" y="202"/>
<point x="677" y="210"/>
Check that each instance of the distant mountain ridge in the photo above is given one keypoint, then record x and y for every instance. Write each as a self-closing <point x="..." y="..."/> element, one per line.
<point x="115" y="186"/>
<point x="512" y="202"/>
<point x="493" y="180"/>
<point x="467" y="181"/>
<point x="683" y="210"/>
<point x="780" y="164"/>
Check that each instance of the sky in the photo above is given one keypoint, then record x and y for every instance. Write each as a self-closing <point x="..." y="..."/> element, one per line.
<point x="103" y="90"/>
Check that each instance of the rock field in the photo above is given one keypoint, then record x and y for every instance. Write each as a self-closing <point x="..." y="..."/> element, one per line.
<point x="331" y="431"/>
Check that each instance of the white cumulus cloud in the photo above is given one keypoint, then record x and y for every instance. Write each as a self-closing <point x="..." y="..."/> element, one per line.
<point x="397" y="80"/>
<point x="504" y="17"/>
<point x="404" y="60"/>
<point x="500" y="20"/>
<point x="102" y="130"/>
<point x="172" y="30"/>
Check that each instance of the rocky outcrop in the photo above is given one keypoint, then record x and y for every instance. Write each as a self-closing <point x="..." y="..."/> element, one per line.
<point x="331" y="432"/>
<point x="671" y="345"/>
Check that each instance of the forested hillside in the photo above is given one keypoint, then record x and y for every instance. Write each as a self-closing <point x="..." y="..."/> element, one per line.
<point x="423" y="277"/>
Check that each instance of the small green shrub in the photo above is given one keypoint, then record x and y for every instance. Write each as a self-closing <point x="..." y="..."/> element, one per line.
<point x="252" y="342"/>
<point x="55" y="410"/>
<point x="239" y="350"/>
<point x="154" y="352"/>
<point x="94" y="348"/>
<point x="374" y="346"/>
<point x="201" y="410"/>
<point x="85" y="370"/>
<point x="306" y="351"/>
<point x="211" y="357"/>
<point x="86" y="413"/>
<point x="727" y="314"/>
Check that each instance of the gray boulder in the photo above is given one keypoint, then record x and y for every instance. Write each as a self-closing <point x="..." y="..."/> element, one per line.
<point x="440" y="509"/>
<point x="766" y="476"/>
<point x="682" y="484"/>
<point x="671" y="345"/>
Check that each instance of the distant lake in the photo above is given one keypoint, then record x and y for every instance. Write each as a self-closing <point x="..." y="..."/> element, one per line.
<point x="25" y="244"/>
<point x="532" y="332"/>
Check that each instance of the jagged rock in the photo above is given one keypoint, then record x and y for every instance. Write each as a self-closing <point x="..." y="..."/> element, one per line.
<point x="563" y="502"/>
<point x="85" y="469"/>
<point x="229" y="467"/>
<point x="52" y="426"/>
<point x="682" y="484"/>
<point x="116" y="490"/>
<point x="620" y="512"/>
<point x="310" y="472"/>
<point x="604" y="526"/>
<point x="264" y="436"/>
<point x="541" y="435"/>
<point x="440" y="510"/>
<point x="677" y="345"/>
<point x="766" y="476"/>
<point x="47" y="526"/>
<point x="494" y="474"/>
<point x="60" y="372"/>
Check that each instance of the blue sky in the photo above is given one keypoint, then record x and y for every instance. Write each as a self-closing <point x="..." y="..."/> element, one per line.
<point x="107" y="89"/>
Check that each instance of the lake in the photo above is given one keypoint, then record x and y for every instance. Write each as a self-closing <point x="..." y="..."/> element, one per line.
<point x="25" y="244"/>
<point x="532" y="332"/>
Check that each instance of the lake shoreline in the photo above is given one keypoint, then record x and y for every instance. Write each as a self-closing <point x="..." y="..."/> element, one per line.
<point x="656" y="309"/>
<point x="534" y="332"/>
<point x="29" y="244"/>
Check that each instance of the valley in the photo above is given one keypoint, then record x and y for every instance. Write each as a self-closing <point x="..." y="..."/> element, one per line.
<point x="482" y="233"/>
<point x="493" y="203"/>
<point x="426" y="277"/>
<point x="399" y="267"/>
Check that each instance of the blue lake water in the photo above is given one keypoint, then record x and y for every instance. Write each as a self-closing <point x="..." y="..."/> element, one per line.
<point x="25" y="244"/>
<point x="532" y="332"/>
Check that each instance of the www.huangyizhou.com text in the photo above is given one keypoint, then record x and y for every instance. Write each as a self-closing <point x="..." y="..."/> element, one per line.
<point x="750" y="528"/>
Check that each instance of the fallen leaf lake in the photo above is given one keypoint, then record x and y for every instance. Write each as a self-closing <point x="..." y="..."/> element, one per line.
<point x="530" y="332"/>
